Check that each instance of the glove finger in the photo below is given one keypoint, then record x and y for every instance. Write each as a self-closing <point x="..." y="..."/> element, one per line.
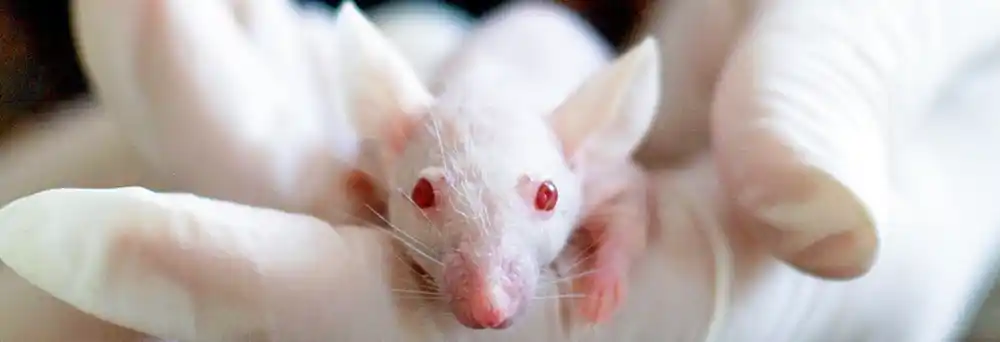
<point x="695" y="38"/>
<point x="247" y="101"/>
<point x="29" y="314"/>
<point x="182" y="267"/>
<point x="77" y="149"/>
<point x="799" y="137"/>
<point x="809" y="104"/>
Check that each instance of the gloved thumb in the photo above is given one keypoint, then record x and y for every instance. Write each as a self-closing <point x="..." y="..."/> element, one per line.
<point x="809" y="106"/>
<point x="181" y="267"/>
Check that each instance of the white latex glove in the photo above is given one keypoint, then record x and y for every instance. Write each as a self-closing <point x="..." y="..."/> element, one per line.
<point x="85" y="147"/>
<point x="187" y="268"/>
<point x="114" y="254"/>
<point x="79" y="147"/>
<point x="248" y="100"/>
<point x="802" y="103"/>
<point x="90" y="150"/>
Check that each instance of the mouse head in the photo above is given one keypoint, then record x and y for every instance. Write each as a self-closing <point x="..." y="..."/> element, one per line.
<point x="484" y="201"/>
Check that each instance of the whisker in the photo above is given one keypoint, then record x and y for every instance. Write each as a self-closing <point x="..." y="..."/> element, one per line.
<point x="386" y="221"/>
<point x="411" y="297"/>
<point x="413" y="248"/>
<point x="560" y="296"/>
<point x="422" y="213"/>
<point x="570" y="278"/>
<point x="398" y="234"/>
<point x="357" y="218"/>
<point x="391" y="232"/>
<point x="420" y="295"/>
<point x="579" y="262"/>
<point x="415" y="292"/>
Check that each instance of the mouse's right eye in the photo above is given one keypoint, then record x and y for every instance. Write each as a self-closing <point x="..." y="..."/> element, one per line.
<point x="423" y="194"/>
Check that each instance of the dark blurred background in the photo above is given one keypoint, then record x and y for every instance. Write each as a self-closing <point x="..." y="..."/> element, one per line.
<point x="38" y="65"/>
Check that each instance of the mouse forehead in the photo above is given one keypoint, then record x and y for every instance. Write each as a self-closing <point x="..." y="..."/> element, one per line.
<point x="488" y="144"/>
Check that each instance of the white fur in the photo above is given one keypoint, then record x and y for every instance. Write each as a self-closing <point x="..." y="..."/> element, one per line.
<point x="539" y="52"/>
<point x="506" y="117"/>
<point x="514" y="70"/>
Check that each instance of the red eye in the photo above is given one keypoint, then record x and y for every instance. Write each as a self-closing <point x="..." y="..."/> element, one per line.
<point x="546" y="197"/>
<point x="423" y="194"/>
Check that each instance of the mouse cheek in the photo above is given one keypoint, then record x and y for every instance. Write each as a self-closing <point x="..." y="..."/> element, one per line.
<point x="552" y="239"/>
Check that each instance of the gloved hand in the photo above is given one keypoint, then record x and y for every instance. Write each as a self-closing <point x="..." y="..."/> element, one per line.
<point x="252" y="245"/>
<point x="801" y="101"/>
<point x="169" y="75"/>
<point x="249" y="101"/>
<point x="183" y="267"/>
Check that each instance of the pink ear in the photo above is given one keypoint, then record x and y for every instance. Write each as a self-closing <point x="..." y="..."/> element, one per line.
<point x="397" y="132"/>
<point x="384" y="96"/>
<point x="610" y="113"/>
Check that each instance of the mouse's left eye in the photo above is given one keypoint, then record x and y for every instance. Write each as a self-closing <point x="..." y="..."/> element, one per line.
<point x="547" y="196"/>
<point x="423" y="194"/>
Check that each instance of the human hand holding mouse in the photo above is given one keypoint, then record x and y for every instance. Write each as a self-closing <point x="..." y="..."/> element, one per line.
<point x="799" y="102"/>
<point x="257" y="102"/>
<point x="174" y="156"/>
<point x="133" y="264"/>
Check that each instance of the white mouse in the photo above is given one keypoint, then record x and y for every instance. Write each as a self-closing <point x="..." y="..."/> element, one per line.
<point x="487" y="186"/>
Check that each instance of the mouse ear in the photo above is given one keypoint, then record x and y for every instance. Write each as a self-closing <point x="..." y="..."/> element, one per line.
<point x="610" y="113"/>
<point x="385" y="95"/>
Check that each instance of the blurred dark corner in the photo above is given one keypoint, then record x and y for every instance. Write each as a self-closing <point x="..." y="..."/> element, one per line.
<point x="39" y="68"/>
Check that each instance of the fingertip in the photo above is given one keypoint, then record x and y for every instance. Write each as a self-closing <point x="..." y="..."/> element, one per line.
<point x="793" y="202"/>
<point x="843" y="256"/>
<point x="807" y="219"/>
<point x="800" y="171"/>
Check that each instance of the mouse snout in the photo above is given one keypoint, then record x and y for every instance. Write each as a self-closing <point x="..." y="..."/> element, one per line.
<point x="485" y="295"/>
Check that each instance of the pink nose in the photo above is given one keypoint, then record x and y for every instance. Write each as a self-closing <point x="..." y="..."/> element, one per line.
<point x="484" y="313"/>
<point x="479" y="303"/>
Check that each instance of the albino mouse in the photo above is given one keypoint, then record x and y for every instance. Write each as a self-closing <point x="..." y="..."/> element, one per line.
<point x="918" y="292"/>
<point x="937" y="261"/>
<point x="490" y="182"/>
